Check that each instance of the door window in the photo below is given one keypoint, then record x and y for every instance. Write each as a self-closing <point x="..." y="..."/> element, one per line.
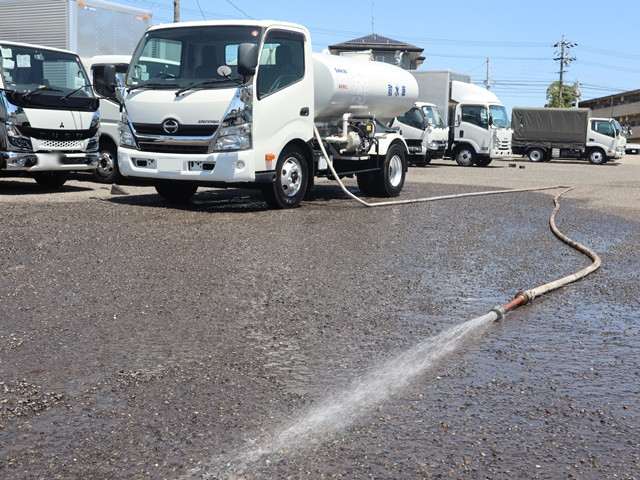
<point x="281" y="62"/>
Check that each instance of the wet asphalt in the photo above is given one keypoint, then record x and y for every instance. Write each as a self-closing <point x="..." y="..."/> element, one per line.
<point x="140" y="339"/>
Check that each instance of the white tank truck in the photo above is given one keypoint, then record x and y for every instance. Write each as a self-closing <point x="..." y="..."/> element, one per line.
<point x="235" y="103"/>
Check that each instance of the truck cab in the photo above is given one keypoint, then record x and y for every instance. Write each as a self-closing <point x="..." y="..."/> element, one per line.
<point x="479" y="127"/>
<point x="605" y="140"/>
<point x="49" y="120"/>
<point x="425" y="132"/>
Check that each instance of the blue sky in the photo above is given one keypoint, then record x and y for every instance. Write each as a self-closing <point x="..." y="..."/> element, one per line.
<point x="517" y="36"/>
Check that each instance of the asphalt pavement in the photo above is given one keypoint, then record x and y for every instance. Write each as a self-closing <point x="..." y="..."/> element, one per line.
<point x="221" y="339"/>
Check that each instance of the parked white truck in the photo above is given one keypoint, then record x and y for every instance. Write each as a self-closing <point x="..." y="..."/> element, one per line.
<point x="49" y="121"/>
<point x="94" y="29"/>
<point x="234" y="103"/>
<point x="546" y="133"/>
<point x="425" y="132"/>
<point x="479" y="128"/>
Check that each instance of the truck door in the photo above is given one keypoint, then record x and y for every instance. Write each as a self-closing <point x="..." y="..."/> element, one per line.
<point x="474" y="125"/>
<point x="602" y="134"/>
<point x="284" y="91"/>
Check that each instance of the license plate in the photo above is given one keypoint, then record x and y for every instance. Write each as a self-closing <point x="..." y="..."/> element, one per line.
<point x="48" y="160"/>
<point x="169" y="165"/>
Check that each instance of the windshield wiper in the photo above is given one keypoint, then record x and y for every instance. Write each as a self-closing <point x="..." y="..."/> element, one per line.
<point x="150" y="85"/>
<point x="38" y="90"/>
<point x="211" y="81"/>
<point x="64" y="97"/>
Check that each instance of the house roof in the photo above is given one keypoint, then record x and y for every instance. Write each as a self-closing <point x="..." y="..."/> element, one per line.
<point x="375" y="41"/>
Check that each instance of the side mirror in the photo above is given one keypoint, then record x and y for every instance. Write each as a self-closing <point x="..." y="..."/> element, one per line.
<point x="247" y="59"/>
<point x="110" y="78"/>
<point x="490" y="120"/>
<point x="224" y="70"/>
<point x="458" y="120"/>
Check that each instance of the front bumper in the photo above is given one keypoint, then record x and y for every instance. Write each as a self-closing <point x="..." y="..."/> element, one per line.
<point x="47" y="162"/>
<point x="499" y="153"/>
<point x="219" y="167"/>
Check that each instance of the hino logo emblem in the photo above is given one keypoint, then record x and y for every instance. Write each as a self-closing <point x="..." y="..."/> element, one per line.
<point x="170" y="126"/>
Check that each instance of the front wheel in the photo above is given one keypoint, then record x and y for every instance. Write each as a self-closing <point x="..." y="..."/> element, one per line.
<point x="597" y="156"/>
<point x="390" y="179"/>
<point x="176" y="191"/>
<point x="290" y="185"/>
<point x="51" y="179"/>
<point x="107" y="170"/>
<point x="464" y="156"/>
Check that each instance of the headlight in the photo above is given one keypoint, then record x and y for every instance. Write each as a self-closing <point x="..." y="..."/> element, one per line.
<point x="16" y="139"/>
<point x="126" y="136"/>
<point x="94" y="143"/>
<point x="95" y="121"/>
<point x="234" y="138"/>
<point x="235" y="130"/>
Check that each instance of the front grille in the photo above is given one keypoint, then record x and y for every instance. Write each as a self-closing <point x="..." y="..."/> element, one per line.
<point x="61" y="145"/>
<point x="58" y="135"/>
<point x="168" y="148"/>
<point x="206" y="130"/>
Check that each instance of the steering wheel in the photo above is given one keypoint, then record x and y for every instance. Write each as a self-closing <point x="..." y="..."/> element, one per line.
<point x="282" y="80"/>
<point x="166" y="75"/>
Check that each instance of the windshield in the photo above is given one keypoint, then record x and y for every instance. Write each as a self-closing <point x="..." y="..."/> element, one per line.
<point x="433" y="115"/>
<point x="184" y="57"/>
<point x="37" y="77"/>
<point x="499" y="115"/>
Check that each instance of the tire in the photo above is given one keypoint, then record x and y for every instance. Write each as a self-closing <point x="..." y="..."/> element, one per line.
<point x="596" y="156"/>
<point x="464" y="156"/>
<point x="176" y="191"/>
<point x="482" y="161"/>
<point x="390" y="179"/>
<point x="536" y="155"/>
<point x="366" y="184"/>
<point x="292" y="179"/>
<point x="51" y="179"/>
<point x="107" y="171"/>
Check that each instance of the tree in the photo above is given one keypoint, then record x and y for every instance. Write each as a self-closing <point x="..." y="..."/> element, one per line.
<point x="568" y="95"/>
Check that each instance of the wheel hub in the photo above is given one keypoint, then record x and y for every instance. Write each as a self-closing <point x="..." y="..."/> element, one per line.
<point x="290" y="177"/>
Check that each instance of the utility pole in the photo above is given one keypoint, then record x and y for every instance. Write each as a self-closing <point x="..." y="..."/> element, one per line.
<point x="565" y="60"/>
<point x="487" y="82"/>
<point x="176" y="10"/>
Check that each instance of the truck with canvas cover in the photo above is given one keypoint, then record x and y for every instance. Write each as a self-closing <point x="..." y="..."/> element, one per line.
<point x="238" y="103"/>
<point x="545" y="133"/>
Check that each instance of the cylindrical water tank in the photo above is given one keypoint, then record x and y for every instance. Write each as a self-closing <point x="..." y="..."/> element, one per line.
<point x="361" y="87"/>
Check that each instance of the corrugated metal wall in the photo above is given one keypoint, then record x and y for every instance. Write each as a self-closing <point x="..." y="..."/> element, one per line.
<point x="41" y="22"/>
